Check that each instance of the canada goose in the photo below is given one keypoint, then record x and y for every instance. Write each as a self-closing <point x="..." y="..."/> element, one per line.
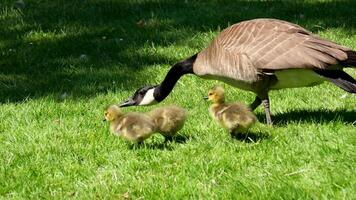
<point x="261" y="55"/>
<point x="135" y="127"/>
<point x="235" y="117"/>
<point x="168" y="120"/>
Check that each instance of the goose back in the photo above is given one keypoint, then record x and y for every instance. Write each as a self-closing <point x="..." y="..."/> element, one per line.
<point x="244" y="50"/>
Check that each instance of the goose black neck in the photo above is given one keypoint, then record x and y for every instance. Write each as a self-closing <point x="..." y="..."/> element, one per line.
<point x="173" y="75"/>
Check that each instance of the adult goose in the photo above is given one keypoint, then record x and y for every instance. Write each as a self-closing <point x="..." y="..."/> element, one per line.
<point x="261" y="55"/>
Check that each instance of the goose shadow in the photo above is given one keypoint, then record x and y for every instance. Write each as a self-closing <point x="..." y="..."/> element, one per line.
<point x="318" y="116"/>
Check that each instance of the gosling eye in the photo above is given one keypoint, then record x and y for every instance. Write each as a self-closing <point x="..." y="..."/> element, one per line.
<point x="210" y="94"/>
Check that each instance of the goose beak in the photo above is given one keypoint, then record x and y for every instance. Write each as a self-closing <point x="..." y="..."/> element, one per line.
<point x="129" y="102"/>
<point x="205" y="98"/>
<point x="104" y="120"/>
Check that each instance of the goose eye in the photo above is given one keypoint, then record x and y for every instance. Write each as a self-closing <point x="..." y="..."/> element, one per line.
<point x="210" y="94"/>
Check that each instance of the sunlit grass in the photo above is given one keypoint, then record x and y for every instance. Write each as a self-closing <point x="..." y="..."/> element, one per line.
<point x="62" y="62"/>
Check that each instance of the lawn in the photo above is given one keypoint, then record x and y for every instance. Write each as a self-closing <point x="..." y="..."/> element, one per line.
<point x="62" y="62"/>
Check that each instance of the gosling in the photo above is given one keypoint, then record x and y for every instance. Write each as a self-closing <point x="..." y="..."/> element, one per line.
<point x="134" y="127"/>
<point x="235" y="117"/>
<point x="168" y="120"/>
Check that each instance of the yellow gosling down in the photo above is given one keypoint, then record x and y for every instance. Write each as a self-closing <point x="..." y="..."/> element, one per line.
<point x="134" y="127"/>
<point x="168" y="120"/>
<point x="234" y="117"/>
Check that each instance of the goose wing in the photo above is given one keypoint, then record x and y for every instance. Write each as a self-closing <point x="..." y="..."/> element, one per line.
<point x="275" y="44"/>
<point x="246" y="48"/>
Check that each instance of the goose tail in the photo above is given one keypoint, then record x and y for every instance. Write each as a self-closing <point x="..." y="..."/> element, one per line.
<point x="340" y="79"/>
<point x="351" y="59"/>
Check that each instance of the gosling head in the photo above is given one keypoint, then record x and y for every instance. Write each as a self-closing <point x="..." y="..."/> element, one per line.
<point x="144" y="96"/>
<point x="216" y="94"/>
<point x="112" y="113"/>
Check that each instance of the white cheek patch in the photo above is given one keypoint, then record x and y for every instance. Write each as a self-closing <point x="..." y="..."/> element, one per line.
<point x="148" y="99"/>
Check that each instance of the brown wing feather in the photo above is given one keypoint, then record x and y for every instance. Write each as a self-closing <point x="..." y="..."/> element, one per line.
<point x="282" y="45"/>
<point x="267" y="44"/>
<point x="218" y="62"/>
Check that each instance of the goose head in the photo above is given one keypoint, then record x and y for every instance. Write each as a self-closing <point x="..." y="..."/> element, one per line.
<point x="142" y="97"/>
<point x="216" y="94"/>
<point x="112" y="113"/>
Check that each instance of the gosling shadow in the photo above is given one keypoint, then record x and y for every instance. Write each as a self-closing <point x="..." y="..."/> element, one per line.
<point x="154" y="145"/>
<point x="250" y="137"/>
<point x="316" y="116"/>
<point x="181" y="139"/>
<point x="166" y="145"/>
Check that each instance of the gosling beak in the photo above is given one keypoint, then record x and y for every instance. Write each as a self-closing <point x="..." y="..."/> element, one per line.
<point x="128" y="102"/>
<point x="205" y="98"/>
<point x="104" y="120"/>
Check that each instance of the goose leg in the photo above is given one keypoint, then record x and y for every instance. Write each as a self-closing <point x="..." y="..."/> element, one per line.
<point x="255" y="103"/>
<point x="265" y="102"/>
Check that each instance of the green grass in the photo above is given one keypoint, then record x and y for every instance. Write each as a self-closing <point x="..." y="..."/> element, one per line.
<point x="62" y="62"/>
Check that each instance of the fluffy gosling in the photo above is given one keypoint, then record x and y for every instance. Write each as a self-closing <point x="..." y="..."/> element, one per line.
<point x="135" y="127"/>
<point x="168" y="120"/>
<point x="235" y="117"/>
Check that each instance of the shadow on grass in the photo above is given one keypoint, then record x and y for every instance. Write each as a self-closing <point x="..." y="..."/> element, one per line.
<point x="309" y="116"/>
<point x="181" y="139"/>
<point x="167" y="145"/>
<point x="156" y="146"/>
<point x="250" y="137"/>
<point x="86" y="48"/>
